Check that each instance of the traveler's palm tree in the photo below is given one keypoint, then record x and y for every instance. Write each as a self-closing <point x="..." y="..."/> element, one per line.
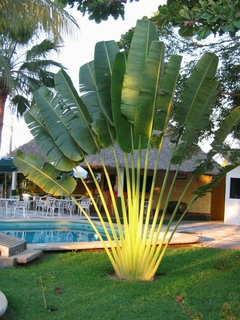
<point x="22" y="71"/>
<point x="126" y="101"/>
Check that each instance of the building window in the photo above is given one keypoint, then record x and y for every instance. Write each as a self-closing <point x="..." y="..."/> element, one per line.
<point x="181" y="175"/>
<point x="235" y="188"/>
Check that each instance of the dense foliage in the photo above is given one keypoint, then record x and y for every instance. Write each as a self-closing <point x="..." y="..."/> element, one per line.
<point x="32" y="18"/>
<point x="98" y="10"/>
<point x="201" y="18"/>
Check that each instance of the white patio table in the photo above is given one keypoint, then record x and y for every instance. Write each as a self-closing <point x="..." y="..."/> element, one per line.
<point x="6" y="206"/>
<point x="10" y="206"/>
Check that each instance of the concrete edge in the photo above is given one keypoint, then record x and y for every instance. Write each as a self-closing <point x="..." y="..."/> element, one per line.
<point x="178" y="238"/>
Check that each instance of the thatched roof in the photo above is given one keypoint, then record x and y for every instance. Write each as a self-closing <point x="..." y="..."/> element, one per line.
<point x="107" y="154"/>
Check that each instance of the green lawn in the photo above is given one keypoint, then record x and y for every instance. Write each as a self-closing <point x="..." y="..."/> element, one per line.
<point x="80" y="285"/>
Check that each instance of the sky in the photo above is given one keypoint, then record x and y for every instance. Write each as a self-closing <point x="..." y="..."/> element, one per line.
<point x="77" y="52"/>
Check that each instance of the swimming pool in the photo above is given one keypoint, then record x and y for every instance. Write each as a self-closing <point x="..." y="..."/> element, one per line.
<point x="35" y="232"/>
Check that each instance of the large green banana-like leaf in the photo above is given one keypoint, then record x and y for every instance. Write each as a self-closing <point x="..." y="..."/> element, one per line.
<point x="51" y="114"/>
<point x="74" y="115"/>
<point x="44" y="174"/>
<point x="106" y="134"/>
<point x="105" y="52"/>
<point x="88" y="91"/>
<point x="192" y="96"/>
<point x="204" y="105"/>
<point x="124" y="129"/>
<point x="95" y="78"/>
<point x="149" y="85"/>
<point x="196" y="103"/>
<point x="145" y="33"/>
<point x="121" y="124"/>
<point x="89" y="95"/>
<point x="166" y="93"/>
<point x="45" y="142"/>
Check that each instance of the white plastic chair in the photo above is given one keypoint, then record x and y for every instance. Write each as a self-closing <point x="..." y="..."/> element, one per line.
<point x="84" y="203"/>
<point x="20" y="205"/>
<point x="41" y="204"/>
<point x="11" y="203"/>
<point x="70" y="207"/>
<point x="2" y="207"/>
<point x="52" y="206"/>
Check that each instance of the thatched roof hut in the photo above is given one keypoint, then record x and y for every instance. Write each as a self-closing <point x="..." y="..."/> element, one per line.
<point x="107" y="154"/>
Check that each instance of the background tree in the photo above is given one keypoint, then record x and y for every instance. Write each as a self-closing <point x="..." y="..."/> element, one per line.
<point x="22" y="71"/>
<point x="21" y="20"/>
<point x="24" y="62"/>
<point x="218" y="23"/>
<point x="126" y="102"/>
<point x="200" y="18"/>
<point x="98" y="10"/>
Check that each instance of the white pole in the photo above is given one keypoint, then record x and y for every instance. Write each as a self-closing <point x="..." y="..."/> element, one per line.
<point x="14" y="183"/>
<point x="14" y="174"/>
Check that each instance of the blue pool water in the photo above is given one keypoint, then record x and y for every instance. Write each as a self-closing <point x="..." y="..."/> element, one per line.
<point x="50" y="231"/>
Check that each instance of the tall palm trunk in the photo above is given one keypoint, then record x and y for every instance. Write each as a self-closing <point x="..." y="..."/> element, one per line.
<point x="3" y="98"/>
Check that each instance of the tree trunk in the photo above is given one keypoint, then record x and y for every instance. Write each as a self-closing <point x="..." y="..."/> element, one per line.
<point x="3" y="98"/>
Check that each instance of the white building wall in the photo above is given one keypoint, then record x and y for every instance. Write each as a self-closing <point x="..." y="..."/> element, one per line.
<point x="232" y="205"/>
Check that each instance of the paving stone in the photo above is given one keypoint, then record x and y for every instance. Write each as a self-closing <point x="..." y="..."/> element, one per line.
<point x="7" y="262"/>
<point x="11" y="245"/>
<point x="27" y="255"/>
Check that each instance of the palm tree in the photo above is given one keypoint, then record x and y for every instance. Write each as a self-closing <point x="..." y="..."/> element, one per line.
<point x="126" y="101"/>
<point x="22" y="71"/>
<point x="21" y="19"/>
